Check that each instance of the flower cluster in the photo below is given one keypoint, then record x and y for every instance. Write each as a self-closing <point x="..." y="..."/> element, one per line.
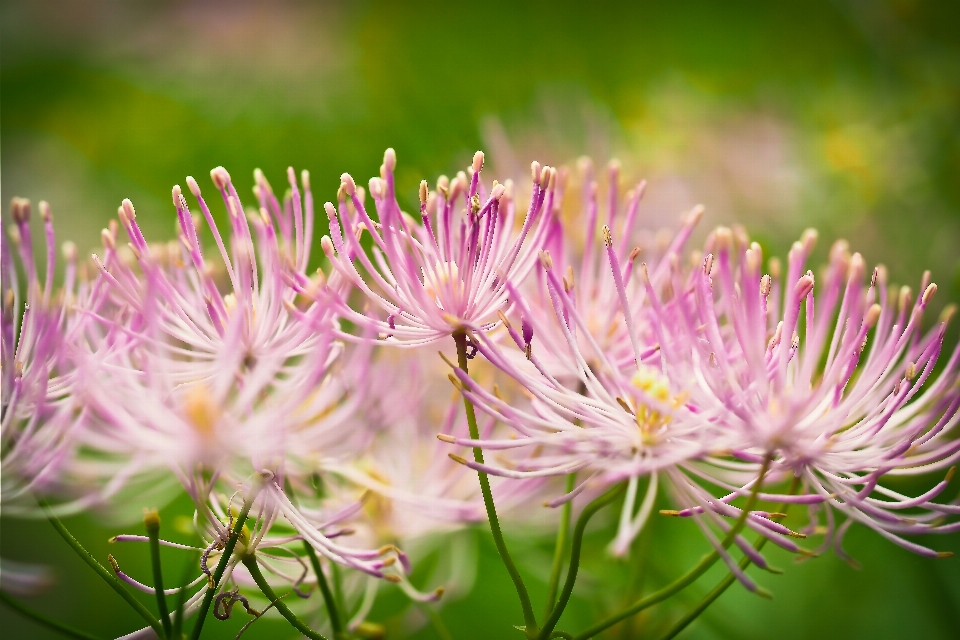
<point x="599" y="355"/>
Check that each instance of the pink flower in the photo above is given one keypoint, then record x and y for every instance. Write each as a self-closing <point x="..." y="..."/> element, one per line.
<point x="837" y="394"/>
<point x="586" y="266"/>
<point x="41" y="416"/>
<point x="446" y="274"/>
<point x="177" y="291"/>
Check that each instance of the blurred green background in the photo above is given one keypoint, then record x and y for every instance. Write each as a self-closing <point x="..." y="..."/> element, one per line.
<point x="842" y="115"/>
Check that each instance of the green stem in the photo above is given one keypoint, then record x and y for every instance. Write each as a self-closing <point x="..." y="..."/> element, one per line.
<point x="328" y="598"/>
<point x="152" y="523"/>
<point x="437" y="623"/>
<point x="561" y="546"/>
<point x="43" y="620"/>
<point x="576" y="546"/>
<point x="341" y="601"/>
<point x="691" y="576"/>
<point x="250" y="562"/>
<point x="325" y="591"/>
<point x="107" y="576"/>
<point x="225" y="560"/>
<point x="729" y="579"/>
<point x="530" y="620"/>
<point x="182" y="599"/>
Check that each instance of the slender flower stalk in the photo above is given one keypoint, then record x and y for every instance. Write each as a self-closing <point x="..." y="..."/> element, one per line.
<point x="530" y="621"/>
<point x="112" y="581"/>
<point x="250" y="562"/>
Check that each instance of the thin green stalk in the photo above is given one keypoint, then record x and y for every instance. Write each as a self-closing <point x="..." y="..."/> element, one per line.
<point x="576" y="545"/>
<point x="325" y="591"/>
<point x="437" y="623"/>
<point x="691" y="576"/>
<point x="182" y="598"/>
<point x="530" y="620"/>
<point x="151" y="522"/>
<point x="729" y="579"/>
<point x="328" y="599"/>
<point x="560" y="548"/>
<point x="43" y="620"/>
<point x="106" y="575"/>
<point x="225" y="560"/>
<point x="341" y="601"/>
<point x="250" y="562"/>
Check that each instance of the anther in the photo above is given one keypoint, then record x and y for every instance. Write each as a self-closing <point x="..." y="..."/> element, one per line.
<point x="905" y="297"/>
<point x="193" y="186"/>
<point x="607" y="237"/>
<point x="724" y="238"/>
<point x="568" y="280"/>
<point x="44" y="211"/>
<point x="128" y="209"/>
<point x="546" y="260"/>
<point x="424" y="192"/>
<point x="708" y="264"/>
<point x="911" y="371"/>
<point x="947" y="314"/>
<point x="349" y="185"/>
<point x="669" y="512"/>
<point x="693" y="218"/>
<point x="765" y="285"/>
<point x="389" y="160"/>
<point x="443" y="437"/>
<point x="928" y="293"/>
<point x="220" y="177"/>
<point x="477" y="161"/>
<point x="872" y="315"/>
<point x="535" y="172"/>
<point x="456" y="458"/>
<point x="20" y="210"/>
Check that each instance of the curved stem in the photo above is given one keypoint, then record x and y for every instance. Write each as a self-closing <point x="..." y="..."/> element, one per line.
<point x="728" y="579"/>
<point x="530" y="620"/>
<point x="107" y="576"/>
<point x="43" y="620"/>
<point x="328" y="599"/>
<point x="576" y="546"/>
<point x="250" y="562"/>
<point x="152" y="524"/>
<point x="225" y="560"/>
<point x="561" y="545"/>
<point x="689" y="577"/>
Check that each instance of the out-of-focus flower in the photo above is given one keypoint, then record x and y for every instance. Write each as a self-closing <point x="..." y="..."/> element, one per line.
<point x="449" y="273"/>
<point x="40" y="413"/>
<point x="598" y="297"/>
<point x="258" y="317"/>
<point x="198" y="390"/>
